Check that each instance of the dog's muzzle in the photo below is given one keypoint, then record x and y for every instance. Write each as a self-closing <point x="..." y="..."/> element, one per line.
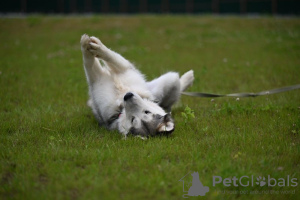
<point x="127" y="96"/>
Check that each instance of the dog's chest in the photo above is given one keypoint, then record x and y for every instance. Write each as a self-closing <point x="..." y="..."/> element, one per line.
<point x="131" y="83"/>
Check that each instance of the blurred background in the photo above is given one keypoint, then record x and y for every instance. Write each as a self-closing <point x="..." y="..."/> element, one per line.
<point x="266" y="7"/>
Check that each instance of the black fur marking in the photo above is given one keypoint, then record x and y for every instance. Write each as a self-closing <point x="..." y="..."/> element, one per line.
<point x="146" y="127"/>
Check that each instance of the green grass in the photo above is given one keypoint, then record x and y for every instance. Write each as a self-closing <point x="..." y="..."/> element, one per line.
<point x="52" y="148"/>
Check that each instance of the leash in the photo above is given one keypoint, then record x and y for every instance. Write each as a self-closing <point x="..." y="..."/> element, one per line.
<point x="267" y="92"/>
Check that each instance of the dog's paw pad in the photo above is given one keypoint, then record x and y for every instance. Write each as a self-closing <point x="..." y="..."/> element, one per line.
<point x="93" y="46"/>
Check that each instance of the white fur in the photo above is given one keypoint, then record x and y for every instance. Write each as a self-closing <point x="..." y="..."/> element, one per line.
<point x="109" y="83"/>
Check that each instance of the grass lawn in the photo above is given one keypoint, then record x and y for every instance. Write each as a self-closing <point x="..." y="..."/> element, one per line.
<point x="52" y="148"/>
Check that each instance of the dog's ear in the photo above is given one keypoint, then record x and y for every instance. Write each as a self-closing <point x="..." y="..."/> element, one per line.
<point x="168" y="125"/>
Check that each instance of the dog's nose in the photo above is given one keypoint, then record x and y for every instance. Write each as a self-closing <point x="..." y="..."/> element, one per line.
<point x="127" y="96"/>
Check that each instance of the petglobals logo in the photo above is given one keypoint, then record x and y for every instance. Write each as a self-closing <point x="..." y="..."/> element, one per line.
<point x="196" y="188"/>
<point x="246" y="181"/>
<point x="192" y="186"/>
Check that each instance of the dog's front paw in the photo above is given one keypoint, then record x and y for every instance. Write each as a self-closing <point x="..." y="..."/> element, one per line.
<point x="96" y="47"/>
<point x="85" y="44"/>
<point x="95" y="40"/>
<point x="85" y="41"/>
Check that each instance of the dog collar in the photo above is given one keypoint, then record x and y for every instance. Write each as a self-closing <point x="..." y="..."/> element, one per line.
<point x="113" y="118"/>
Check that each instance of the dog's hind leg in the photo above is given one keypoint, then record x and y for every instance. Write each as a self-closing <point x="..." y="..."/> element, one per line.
<point x="186" y="80"/>
<point x="114" y="60"/>
<point x="166" y="89"/>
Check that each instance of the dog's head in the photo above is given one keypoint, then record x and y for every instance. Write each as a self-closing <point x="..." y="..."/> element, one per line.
<point x="145" y="118"/>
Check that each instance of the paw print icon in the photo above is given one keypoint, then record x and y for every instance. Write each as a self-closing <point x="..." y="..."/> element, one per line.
<point x="261" y="181"/>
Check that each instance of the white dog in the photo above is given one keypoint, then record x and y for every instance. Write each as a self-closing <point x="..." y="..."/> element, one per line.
<point x="121" y="98"/>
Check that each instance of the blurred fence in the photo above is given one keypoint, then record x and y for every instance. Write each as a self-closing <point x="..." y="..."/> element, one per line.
<point x="282" y="7"/>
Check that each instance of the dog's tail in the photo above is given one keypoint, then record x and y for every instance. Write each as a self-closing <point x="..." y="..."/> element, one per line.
<point x="186" y="80"/>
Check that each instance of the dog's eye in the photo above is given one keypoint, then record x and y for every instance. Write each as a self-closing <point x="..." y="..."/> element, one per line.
<point x="147" y="112"/>
<point x="132" y="119"/>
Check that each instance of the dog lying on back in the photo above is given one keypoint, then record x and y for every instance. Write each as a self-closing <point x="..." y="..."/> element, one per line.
<point x="122" y="99"/>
